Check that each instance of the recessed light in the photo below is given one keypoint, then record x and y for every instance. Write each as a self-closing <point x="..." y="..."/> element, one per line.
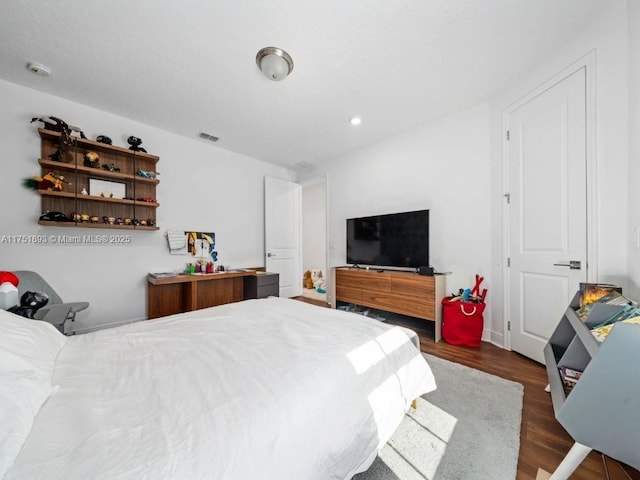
<point x="39" y="69"/>
<point x="355" y="121"/>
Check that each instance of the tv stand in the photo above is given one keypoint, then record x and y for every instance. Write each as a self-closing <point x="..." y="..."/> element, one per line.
<point x="406" y="293"/>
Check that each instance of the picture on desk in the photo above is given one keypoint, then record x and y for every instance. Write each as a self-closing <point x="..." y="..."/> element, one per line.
<point x="201" y="244"/>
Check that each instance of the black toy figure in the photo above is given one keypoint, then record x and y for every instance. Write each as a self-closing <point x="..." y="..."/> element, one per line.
<point x="30" y="303"/>
<point x="135" y="144"/>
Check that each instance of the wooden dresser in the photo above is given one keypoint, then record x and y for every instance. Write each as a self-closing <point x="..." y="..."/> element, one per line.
<point x="406" y="293"/>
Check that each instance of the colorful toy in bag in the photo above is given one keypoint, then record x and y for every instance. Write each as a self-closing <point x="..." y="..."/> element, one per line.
<point x="462" y="316"/>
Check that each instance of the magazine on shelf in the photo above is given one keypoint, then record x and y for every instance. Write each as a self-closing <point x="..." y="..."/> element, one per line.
<point x="592" y="292"/>
<point x="600" y="333"/>
<point x="614" y="297"/>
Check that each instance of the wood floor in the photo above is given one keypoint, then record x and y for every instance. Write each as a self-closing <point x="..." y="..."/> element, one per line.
<point x="543" y="441"/>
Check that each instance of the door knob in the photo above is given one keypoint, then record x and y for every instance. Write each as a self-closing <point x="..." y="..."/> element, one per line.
<point x="572" y="264"/>
<point x="270" y="254"/>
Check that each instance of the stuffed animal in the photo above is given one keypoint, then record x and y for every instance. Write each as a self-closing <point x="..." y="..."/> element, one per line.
<point x="318" y="281"/>
<point x="307" y="281"/>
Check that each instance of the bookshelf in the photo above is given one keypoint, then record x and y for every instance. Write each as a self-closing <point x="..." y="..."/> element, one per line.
<point x="602" y="410"/>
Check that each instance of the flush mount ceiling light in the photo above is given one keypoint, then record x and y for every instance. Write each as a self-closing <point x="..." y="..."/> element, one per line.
<point x="355" y="121"/>
<point x="275" y="63"/>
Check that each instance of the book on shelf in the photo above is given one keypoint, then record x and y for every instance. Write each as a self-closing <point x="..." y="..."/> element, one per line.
<point x="570" y="377"/>
<point x="592" y="292"/>
<point x="601" y="332"/>
<point x="614" y="297"/>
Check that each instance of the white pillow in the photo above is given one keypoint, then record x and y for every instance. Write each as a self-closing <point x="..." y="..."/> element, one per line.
<point x="21" y="396"/>
<point x="28" y="345"/>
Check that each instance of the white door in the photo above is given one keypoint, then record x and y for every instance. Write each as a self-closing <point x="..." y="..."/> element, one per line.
<point x="547" y="210"/>
<point x="283" y="253"/>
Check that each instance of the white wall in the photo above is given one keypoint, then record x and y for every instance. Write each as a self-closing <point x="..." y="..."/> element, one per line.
<point x="606" y="40"/>
<point x="442" y="166"/>
<point x="634" y="148"/>
<point x="202" y="188"/>
<point x="314" y="226"/>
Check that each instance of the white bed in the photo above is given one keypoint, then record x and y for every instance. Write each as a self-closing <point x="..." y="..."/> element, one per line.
<point x="261" y="389"/>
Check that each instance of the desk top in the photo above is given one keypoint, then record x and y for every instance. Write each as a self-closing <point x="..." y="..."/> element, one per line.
<point x="198" y="277"/>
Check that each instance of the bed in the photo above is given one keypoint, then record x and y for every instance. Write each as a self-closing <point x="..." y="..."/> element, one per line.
<point x="261" y="389"/>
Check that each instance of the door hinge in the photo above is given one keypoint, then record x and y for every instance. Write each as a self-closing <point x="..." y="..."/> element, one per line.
<point x="508" y="261"/>
<point x="508" y="135"/>
<point x="508" y="197"/>
<point x="509" y="325"/>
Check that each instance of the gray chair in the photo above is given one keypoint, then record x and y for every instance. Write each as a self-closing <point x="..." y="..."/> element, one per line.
<point x="56" y="312"/>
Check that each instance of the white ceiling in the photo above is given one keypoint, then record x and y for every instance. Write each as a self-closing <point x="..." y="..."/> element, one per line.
<point x="189" y="66"/>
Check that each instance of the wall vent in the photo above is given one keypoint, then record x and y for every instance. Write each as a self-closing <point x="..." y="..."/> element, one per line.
<point x="206" y="136"/>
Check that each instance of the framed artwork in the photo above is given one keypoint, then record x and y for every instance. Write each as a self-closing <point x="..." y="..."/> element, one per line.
<point x="201" y="244"/>
<point x="105" y="188"/>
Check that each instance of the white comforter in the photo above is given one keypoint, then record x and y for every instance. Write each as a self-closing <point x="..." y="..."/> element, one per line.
<point x="262" y="389"/>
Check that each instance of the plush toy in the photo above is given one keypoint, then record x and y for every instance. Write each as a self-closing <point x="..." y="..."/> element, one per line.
<point x="318" y="281"/>
<point x="8" y="290"/>
<point x="307" y="281"/>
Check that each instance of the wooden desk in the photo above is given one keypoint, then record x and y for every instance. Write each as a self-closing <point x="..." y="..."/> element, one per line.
<point x="185" y="293"/>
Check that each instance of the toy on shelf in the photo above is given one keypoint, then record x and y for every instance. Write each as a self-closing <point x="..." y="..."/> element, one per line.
<point x="111" y="167"/>
<point x="147" y="174"/>
<point x="91" y="159"/>
<point x="135" y="143"/>
<point x="58" y="125"/>
<point x="103" y="139"/>
<point x="51" y="181"/>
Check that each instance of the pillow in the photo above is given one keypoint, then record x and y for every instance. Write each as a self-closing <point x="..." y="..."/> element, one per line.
<point x="21" y="396"/>
<point x="28" y="345"/>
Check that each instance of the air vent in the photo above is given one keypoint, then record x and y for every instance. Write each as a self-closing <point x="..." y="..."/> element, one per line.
<point x="206" y="136"/>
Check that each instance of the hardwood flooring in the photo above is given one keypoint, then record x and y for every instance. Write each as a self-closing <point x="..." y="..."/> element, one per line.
<point x="543" y="441"/>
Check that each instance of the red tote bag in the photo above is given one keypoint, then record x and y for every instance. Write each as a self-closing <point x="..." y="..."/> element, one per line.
<point x="462" y="322"/>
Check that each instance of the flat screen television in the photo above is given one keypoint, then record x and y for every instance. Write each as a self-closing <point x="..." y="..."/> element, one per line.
<point x="394" y="240"/>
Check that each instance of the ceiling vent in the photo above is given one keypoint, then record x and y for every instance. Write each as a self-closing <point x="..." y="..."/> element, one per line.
<point x="206" y="136"/>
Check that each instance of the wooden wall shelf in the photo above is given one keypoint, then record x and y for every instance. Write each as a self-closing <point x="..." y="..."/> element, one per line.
<point x="71" y="200"/>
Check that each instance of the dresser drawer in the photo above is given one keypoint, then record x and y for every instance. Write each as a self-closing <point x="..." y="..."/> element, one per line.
<point x="262" y="285"/>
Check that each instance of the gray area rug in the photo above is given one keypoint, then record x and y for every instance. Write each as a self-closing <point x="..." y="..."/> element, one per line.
<point x="468" y="429"/>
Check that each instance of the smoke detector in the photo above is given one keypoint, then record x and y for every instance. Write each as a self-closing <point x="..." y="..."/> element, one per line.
<point x="39" y="69"/>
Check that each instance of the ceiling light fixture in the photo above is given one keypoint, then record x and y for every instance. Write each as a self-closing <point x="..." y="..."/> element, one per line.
<point x="355" y="120"/>
<point x="275" y="63"/>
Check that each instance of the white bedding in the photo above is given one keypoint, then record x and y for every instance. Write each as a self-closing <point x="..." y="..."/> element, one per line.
<point x="261" y="389"/>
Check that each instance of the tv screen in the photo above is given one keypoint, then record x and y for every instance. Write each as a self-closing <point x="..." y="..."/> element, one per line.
<point x="393" y="240"/>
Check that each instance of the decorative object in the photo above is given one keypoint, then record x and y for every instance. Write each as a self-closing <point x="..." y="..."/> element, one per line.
<point x="111" y="167"/>
<point x="58" y="125"/>
<point x="103" y="139"/>
<point x="106" y="188"/>
<point x="275" y="63"/>
<point x="147" y="174"/>
<point x="135" y="144"/>
<point x="94" y="219"/>
<point x="91" y="159"/>
<point x="51" y="181"/>
<point x="84" y="191"/>
<point x="127" y="221"/>
<point x="84" y="217"/>
<point x="469" y="407"/>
